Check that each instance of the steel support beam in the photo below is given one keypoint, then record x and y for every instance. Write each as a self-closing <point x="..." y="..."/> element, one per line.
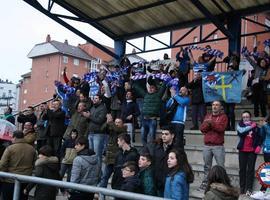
<point x="213" y="18"/>
<point x="234" y="26"/>
<point x="185" y="35"/>
<point x="158" y="41"/>
<point x="228" y="5"/>
<point x="218" y="6"/>
<point x="39" y="7"/>
<point x="139" y="8"/>
<point x="258" y="23"/>
<point x="120" y="48"/>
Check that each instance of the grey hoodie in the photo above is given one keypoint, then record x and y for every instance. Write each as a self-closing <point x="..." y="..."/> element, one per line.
<point x="85" y="168"/>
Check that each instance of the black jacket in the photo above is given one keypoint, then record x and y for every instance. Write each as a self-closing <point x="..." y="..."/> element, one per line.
<point x="121" y="158"/>
<point x="56" y="122"/>
<point x="131" y="184"/>
<point x="45" y="168"/>
<point x="27" y="118"/>
<point x="197" y="91"/>
<point x="129" y="108"/>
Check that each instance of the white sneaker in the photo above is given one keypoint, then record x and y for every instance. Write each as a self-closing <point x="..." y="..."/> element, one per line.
<point x="258" y="195"/>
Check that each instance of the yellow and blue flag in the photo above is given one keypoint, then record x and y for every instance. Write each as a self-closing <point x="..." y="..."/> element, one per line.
<point x="222" y="86"/>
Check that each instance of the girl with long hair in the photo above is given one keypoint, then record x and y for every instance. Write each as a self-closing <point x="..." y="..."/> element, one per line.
<point x="219" y="185"/>
<point x="179" y="177"/>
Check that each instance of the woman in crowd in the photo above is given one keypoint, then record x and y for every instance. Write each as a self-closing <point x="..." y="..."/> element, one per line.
<point x="219" y="186"/>
<point x="179" y="177"/>
<point x="249" y="147"/>
<point x="47" y="166"/>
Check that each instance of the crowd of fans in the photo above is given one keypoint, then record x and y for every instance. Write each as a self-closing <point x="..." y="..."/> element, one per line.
<point x="92" y="138"/>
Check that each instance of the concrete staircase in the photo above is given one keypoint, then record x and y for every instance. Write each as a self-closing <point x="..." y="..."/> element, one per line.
<point x="194" y="147"/>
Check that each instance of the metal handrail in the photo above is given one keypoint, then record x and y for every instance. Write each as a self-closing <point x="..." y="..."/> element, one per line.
<point x="36" y="105"/>
<point x="61" y="184"/>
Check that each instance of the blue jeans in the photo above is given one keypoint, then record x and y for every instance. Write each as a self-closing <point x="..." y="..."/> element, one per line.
<point x="208" y="153"/>
<point x="148" y="131"/>
<point x="139" y="101"/>
<point x="97" y="143"/>
<point x="65" y="168"/>
<point x="106" y="174"/>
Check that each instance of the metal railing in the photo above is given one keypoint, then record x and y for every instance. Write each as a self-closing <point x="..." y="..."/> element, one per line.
<point x="61" y="184"/>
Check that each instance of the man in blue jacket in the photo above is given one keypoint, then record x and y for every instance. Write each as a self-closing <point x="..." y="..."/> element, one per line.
<point x="179" y="118"/>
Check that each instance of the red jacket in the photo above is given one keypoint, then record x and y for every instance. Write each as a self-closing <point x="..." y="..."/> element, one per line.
<point x="213" y="128"/>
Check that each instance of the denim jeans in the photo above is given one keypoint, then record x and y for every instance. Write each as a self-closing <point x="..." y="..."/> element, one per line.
<point x="98" y="142"/>
<point x="218" y="152"/>
<point x="65" y="168"/>
<point x="148" y="131"/>
<point x="106" y="174"/>
<point x="139" y="101"/>
<point x="179" y="134"/>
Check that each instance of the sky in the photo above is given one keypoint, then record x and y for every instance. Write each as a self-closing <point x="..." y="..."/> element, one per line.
<point x="23" y="26"/>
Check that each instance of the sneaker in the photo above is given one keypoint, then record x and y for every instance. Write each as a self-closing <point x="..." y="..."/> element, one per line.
<point x="203" y="186"/>
<point x="248" y="193"/>
<point x="258" y="195"/>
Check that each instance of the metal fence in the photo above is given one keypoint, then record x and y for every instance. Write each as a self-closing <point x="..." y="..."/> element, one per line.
<point x="61" y="184"/>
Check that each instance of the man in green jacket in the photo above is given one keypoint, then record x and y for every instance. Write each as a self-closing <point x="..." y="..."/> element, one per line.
<point x="151" y="109"/>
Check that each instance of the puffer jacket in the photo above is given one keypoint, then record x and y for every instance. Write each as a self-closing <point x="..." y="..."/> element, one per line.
<point x="146" y="176"/>
<point x="214" y="132"/>
<point x="45" y="168"/>
<point x="219" y="191"/>
<point x="85" y="168"/>
<point x="265" y="135"/>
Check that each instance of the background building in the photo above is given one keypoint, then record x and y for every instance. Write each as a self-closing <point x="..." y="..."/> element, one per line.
<point x="8" y="95"/>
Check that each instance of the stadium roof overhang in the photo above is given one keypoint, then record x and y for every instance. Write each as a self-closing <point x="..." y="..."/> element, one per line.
<point x="122" y="20"/>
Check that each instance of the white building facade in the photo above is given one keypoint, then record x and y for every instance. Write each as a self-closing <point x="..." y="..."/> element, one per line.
<point x="8" y="96"/>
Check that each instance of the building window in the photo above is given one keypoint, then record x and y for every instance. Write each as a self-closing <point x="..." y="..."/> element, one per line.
<point x="255" y="18"/>
<point x="87" y="65"/>
<point x="46" y="89"/>
<point x="24" y="101"/>
<point x="76" y="62"/>
<point x="25" y="91"/>
<point x="47" y="74"/>
<point x="254" y="41"/>
<point x="215" y="37"/>
<point x="195" y="40"/>
<point x="65" y="59"/>
<point x="267" y="23"/>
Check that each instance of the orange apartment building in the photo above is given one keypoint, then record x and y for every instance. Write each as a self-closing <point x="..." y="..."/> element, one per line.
<point x="246" y="27"/>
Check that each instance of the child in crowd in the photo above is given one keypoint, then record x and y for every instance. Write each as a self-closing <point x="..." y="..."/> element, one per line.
<point x="146" y="174"/>
<point x="131" y="182"/>
<point x="68" y="153"/>
<point x="219" y="185"/>
<point x="179" y="177"/>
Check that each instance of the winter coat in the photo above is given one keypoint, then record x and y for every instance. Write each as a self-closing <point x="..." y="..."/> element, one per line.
<point x="129" y="108"/>
<point x="45" y="168"/>
<point x="112" y="147"/>
<point x="18" y="158"/>
<point x="219" y="191"/>
<point x="176" y="187"/>
<point x="196" y="92"/>
<point x="27" y="118"/>
<point x="151" y="101"/>
<point x="41" y="127"/>
<point x="68" y="152"/>
<point x="265" y="135"/>
<point x="85" y="168"/>
<point x="78" y="122"/>
<point x="146" y="176"/>
<point x="97" y="118"/>
<point x="120" y="159"/>
<point x="56" y="122"/>
<point x="160" y="157"/>
<point x="214" y="132"/>
<point x="181" y="111"/>
<point x="130" y="184"/>
<point x="30" y="137"/>
<point x="243" y="130"/>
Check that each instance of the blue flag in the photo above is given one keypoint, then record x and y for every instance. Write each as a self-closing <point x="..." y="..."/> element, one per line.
<point x="222" y="86"/>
